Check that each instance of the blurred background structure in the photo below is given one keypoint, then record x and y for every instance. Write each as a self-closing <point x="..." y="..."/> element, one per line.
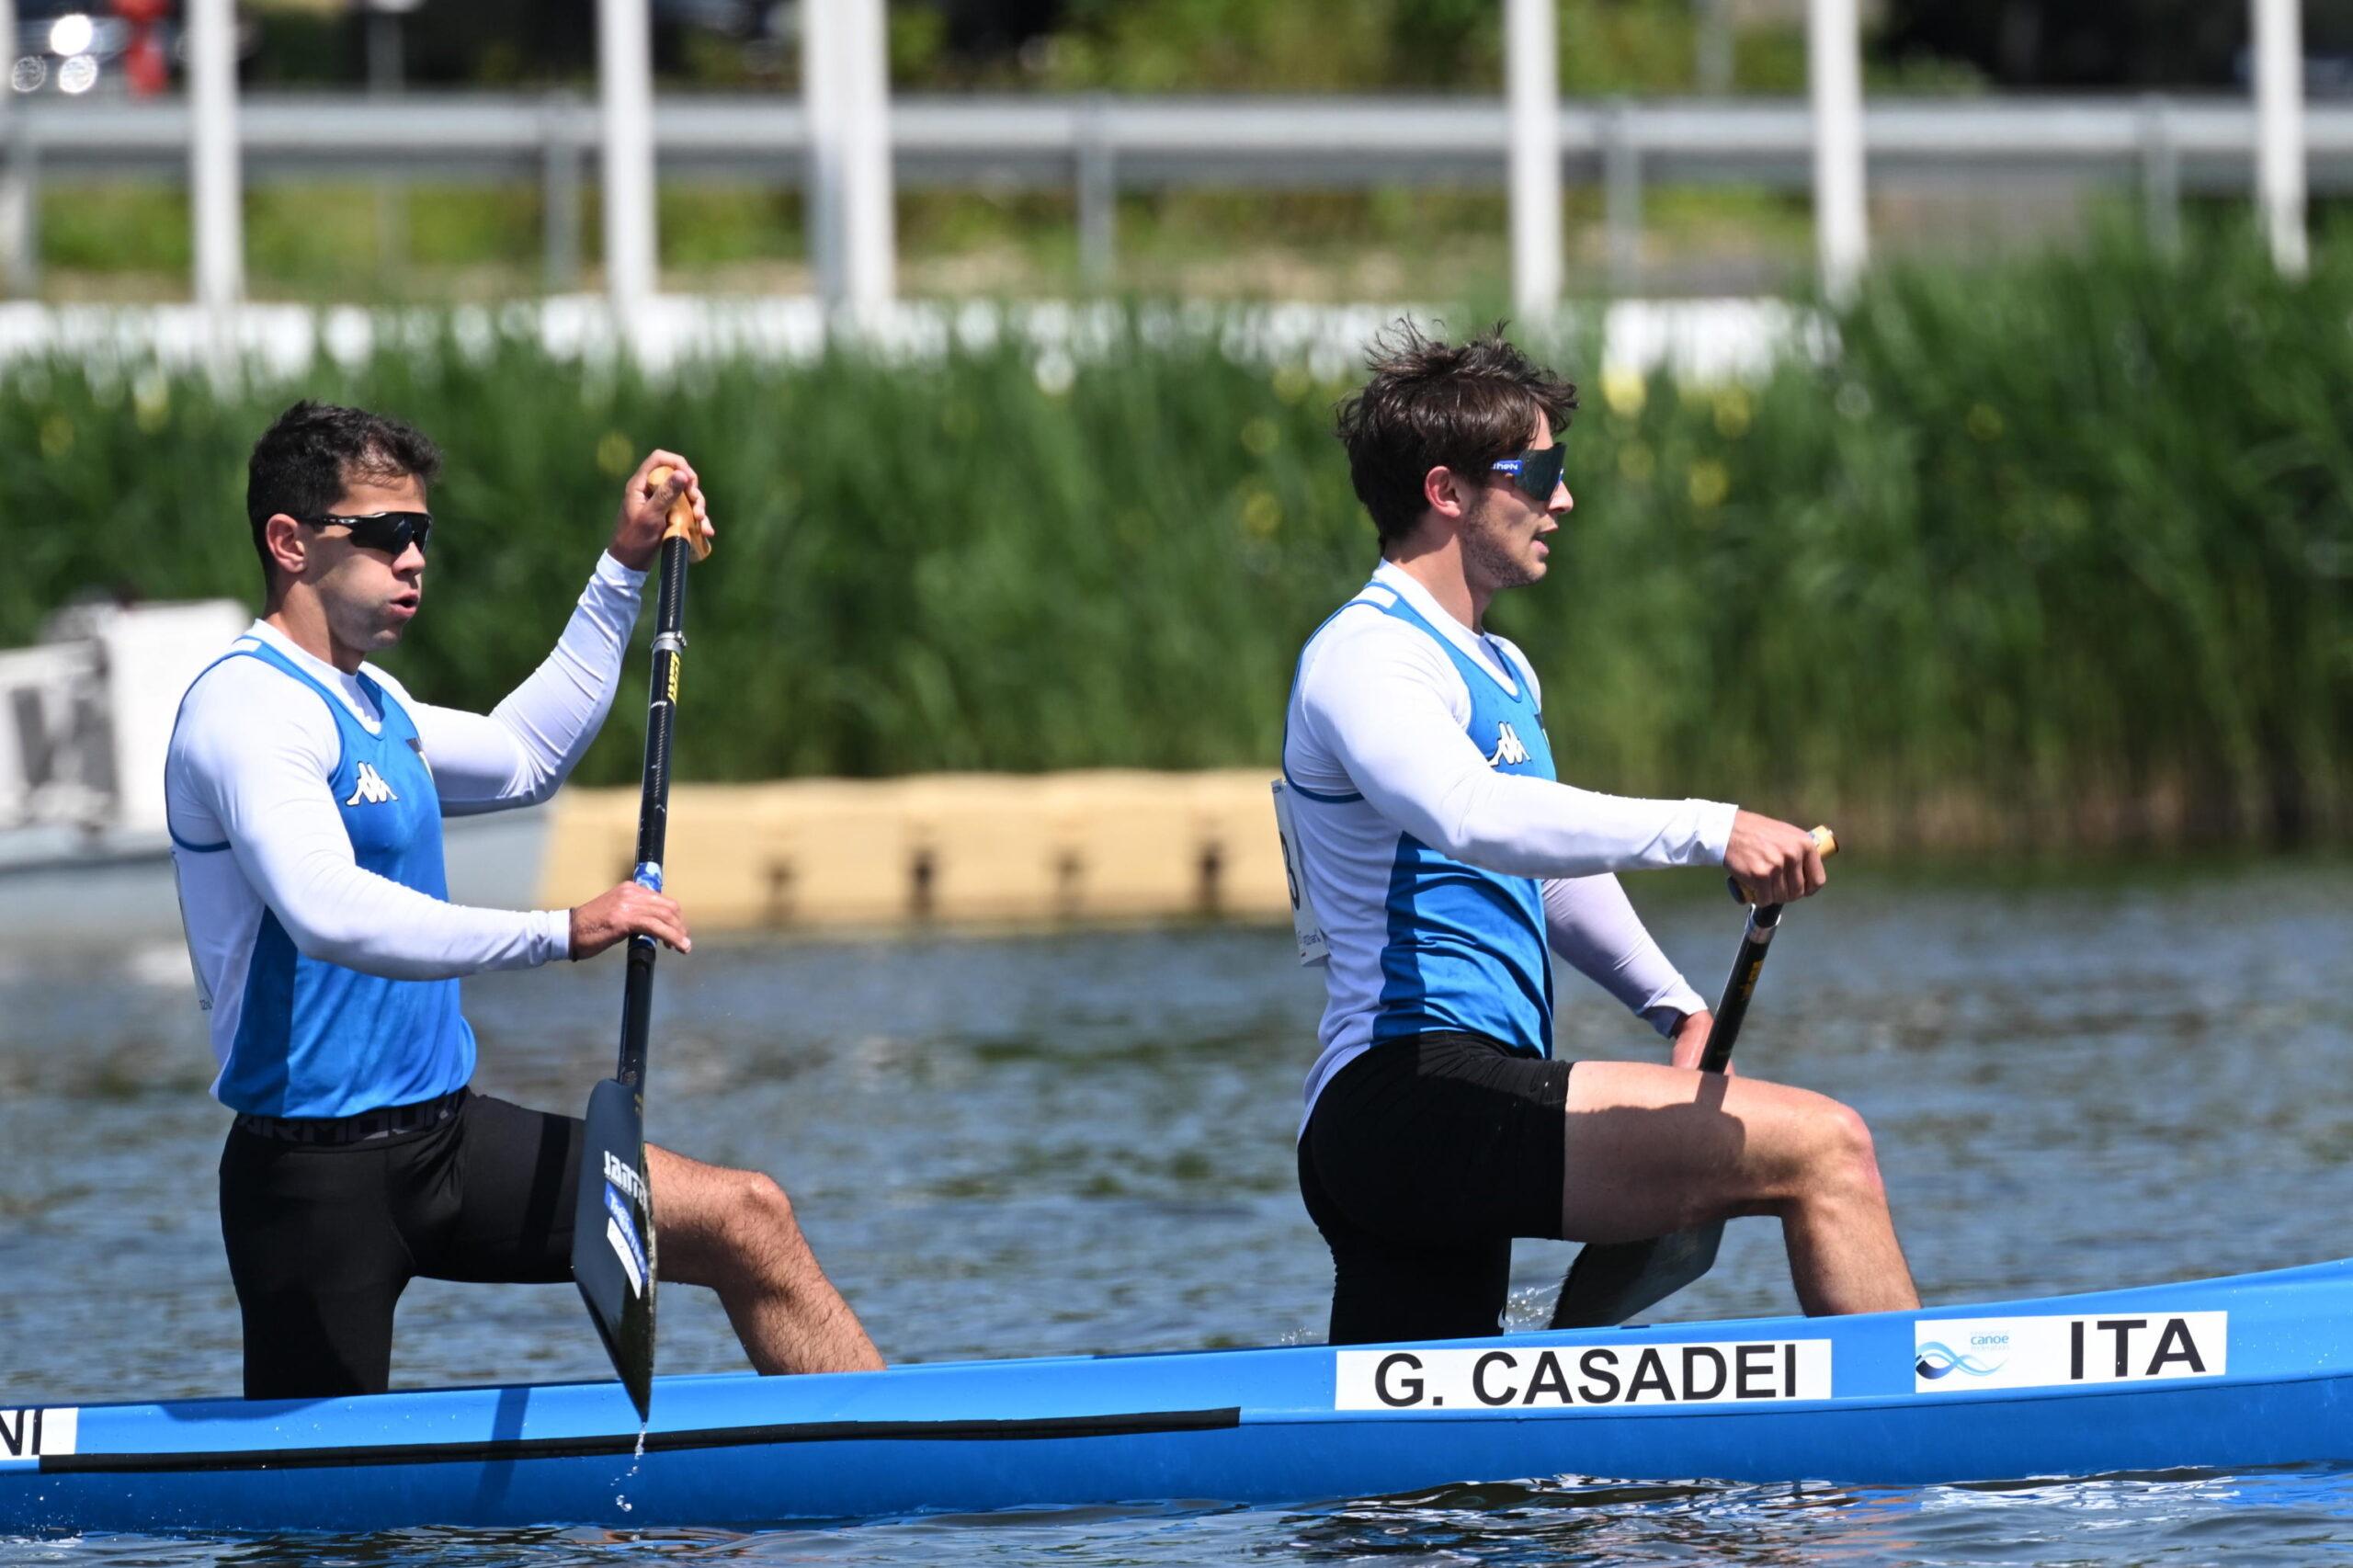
<point x="1962" y="455"/>
<point x="409" y="149"/>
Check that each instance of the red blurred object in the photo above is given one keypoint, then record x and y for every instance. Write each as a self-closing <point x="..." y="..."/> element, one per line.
<point x="145" y="64"/>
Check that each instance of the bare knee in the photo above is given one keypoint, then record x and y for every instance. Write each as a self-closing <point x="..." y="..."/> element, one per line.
<point x="1847" y="1159"/>
<point x="754" y="1214"/>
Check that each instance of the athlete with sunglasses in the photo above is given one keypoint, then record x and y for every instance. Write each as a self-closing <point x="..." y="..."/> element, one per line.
<point x="306" y="789"/>
<point x="1443" y="863"/>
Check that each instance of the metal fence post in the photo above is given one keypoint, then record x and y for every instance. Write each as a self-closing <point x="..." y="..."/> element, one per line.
<point x="1621" y="186"/>
<point x="560" y="193"/>
<point x="846" y="85"/>
<point x="216" y="172"/>
<point x="625" y="100"/>
<point x="1532" y="74"/>
<point x="1099" y="194"/>
<point x="2280" y="132"/>
<point x="1834" y="61"/>
<point x="2160" y="175"/>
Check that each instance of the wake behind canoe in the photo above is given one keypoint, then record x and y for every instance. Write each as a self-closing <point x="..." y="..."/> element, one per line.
<point x="2221" y="1374"/>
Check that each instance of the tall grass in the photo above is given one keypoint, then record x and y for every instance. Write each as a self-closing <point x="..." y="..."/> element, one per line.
<point x="2060" y="551"/>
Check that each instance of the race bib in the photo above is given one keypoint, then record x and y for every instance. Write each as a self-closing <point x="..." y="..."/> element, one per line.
<point x="1305" y="924"/>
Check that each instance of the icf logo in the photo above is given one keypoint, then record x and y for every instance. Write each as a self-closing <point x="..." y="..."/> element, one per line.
<point x="1940" y="1360"/>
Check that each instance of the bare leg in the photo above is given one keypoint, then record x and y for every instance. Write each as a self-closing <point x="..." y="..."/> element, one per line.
<point x="734" y="1232"/>
<point x="1655" y="1149"/>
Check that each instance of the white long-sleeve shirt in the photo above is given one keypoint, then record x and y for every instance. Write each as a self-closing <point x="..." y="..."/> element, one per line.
<point x="1379" y="743"/>
<point x="249" y="765"/>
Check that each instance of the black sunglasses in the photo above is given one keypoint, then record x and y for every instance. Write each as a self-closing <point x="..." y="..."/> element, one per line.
<point x="389" y="531"/>
<point x="1536" y="470"/>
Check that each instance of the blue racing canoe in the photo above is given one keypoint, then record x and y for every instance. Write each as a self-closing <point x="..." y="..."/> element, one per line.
<point x="2217" y="1374"/>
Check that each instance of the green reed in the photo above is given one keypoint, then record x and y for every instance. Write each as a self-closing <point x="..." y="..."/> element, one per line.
<point x="2058" y="550"/>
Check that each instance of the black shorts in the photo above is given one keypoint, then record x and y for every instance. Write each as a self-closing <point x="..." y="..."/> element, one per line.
<point x="323" y="1237"/>
<point x="1423" y="1159"/>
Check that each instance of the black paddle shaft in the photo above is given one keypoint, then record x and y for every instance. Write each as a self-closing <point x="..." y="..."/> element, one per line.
<point x="1764" y="919"/>
<point x="613" y="1258"/>
<point x="653" y="803"/>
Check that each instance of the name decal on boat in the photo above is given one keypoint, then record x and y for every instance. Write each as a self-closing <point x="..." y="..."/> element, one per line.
<point x="31" y="1433"/>
<point x="1715" y="1372"/>
<point x="2054" y="1352"/>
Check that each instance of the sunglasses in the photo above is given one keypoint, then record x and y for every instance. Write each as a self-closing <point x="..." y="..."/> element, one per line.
<point x="389" y="531"/>
<point x="1536" y="470"/>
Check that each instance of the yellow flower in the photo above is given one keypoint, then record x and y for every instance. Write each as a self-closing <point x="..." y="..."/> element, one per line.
<point x="1635" y="463"/>
<point x="616" y="454"/>
<point x="1259" y="436"/>
<point x="1984" y="422"/>
<point x="150" y="401"/>
<point x="56" y="436"/>
<point x="1261" y="513"/>
<point x="1732" y="413"/>
<point x="1625" y="390"/>
<point x="1710" y="482"/>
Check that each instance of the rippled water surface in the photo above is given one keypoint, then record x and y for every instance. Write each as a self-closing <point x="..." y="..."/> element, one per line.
<point x="1035" y="1144"/>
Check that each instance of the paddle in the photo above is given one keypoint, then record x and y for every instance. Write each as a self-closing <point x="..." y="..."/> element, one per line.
<point x="1609" y="1283"/>
<point x="612" y="1228"/>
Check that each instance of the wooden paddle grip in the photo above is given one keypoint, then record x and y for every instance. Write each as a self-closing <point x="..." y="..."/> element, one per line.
<point x="1823" y="840"/>
<point x="682" y="524"/>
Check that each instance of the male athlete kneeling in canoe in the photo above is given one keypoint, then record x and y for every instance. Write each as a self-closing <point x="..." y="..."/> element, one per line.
<point x="1445" y="858"/>
<point x="306" y="789"/>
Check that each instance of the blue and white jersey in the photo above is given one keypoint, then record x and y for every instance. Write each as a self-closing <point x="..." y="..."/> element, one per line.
<point x="1441" y="852"/>
<point x="313" y="1038"/>
<point x="305" y="808"/>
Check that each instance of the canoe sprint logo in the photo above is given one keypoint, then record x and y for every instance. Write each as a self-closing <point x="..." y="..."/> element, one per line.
<point x="1940" y="1360"/>
<point x="372" y="791"/>
<point x="1508" y="751"/>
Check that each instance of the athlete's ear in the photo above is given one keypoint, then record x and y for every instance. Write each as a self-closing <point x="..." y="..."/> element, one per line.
<point x="1442" y="492"/>
<point x="289" y="543"/>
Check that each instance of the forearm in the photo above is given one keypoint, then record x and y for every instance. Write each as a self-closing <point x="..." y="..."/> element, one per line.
<point x="1532" y="827"/>
<point x="1593" y="927"/>
<point x="1388" y="711"/>
<point x="282" y="822"/>
<point x="337" y="912"/>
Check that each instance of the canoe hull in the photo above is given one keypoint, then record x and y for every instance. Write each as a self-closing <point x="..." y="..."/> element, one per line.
<point x="2228" y="1374"/>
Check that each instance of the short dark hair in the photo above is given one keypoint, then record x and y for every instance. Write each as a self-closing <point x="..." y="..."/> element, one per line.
<point x="1431" y="404"/>
<point x="311" y="455"/>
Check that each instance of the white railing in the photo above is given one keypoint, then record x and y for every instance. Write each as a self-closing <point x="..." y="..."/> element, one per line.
<point x="1102" y="146"/>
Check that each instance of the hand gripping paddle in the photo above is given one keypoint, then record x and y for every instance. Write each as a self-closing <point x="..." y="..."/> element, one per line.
<point x="612" y="1229"/>
<point x="1610" y="1283"/>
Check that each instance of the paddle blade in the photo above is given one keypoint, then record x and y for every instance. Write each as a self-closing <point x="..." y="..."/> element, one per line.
<point x="1608" y="1285"/>
<point x="612" y="1237"/>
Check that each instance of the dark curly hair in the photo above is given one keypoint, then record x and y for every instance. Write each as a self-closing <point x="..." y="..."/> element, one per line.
<point x="1431" y="404"/>
<point x="309" y="456"/>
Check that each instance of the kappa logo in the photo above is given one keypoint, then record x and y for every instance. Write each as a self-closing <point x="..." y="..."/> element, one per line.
<point x="372" y="791"/>
<point x="1508" y="751"/>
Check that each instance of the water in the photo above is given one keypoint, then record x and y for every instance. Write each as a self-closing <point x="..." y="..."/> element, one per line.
<point x="1040" y="1145"/>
